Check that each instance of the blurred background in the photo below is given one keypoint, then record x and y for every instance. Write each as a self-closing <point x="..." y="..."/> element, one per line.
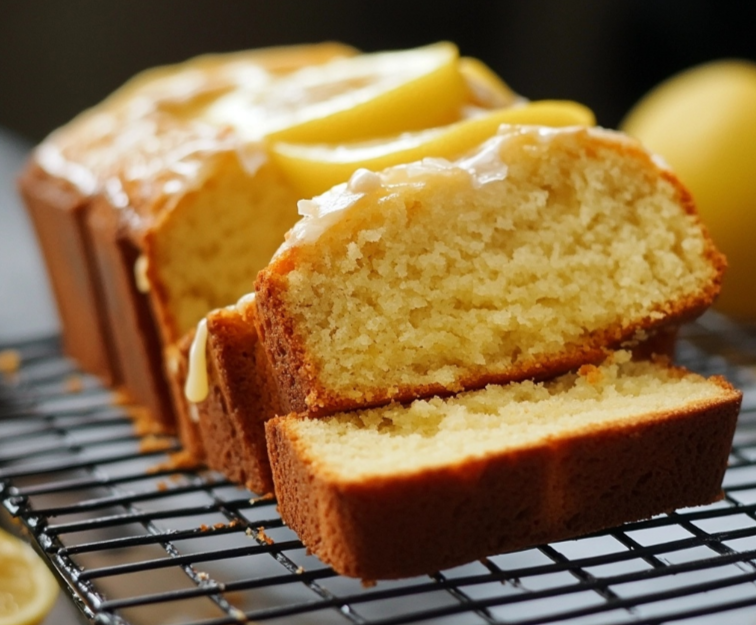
<point x="57" y="58"/>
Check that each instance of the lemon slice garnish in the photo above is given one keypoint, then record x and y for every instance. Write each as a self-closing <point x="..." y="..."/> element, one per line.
<point x="486" y="88"/>
<point x="316" y="168"/>
<point x="349" y="99"/>
<point x="27" y="589"/>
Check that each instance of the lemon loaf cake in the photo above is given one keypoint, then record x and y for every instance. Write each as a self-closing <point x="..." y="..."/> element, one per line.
<point x="164" y="201"/>
<point x="398" y="491"/>
<point x="524" y="259"/>
<point x="234" y="392"/>
<point x="97" y="186"/>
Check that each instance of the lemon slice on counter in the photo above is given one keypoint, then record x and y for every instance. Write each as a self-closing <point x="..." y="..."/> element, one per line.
<point x="350" y="99"/>
<point x="316" y="168"/>
<point x="27" y="589"/>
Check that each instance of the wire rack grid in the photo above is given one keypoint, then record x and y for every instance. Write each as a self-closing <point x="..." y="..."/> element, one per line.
<point x="137" y="539"/>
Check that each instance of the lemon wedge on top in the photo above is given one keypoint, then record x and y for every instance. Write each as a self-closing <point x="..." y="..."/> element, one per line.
<point x="350" y="99"/>
<point x="27" y="589"/>
<point x="486" y="88"/>
<point x="315" y="168"/>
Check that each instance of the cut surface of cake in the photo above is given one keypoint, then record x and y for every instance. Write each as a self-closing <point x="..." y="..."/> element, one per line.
<point x="528" y="257"/>
<point x="401" y="490"/>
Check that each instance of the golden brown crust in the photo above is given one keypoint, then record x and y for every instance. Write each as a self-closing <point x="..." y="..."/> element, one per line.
<point x="286" y="354"/>
<point x="58" y="212"/>
<point x="242" y="396"/>
<point x="176" y="360"/>
<point x="127" y="311"/>
<point x="410" y="524"/>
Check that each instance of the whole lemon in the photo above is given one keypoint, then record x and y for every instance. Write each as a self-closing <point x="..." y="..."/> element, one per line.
<point x="703" y="123"/>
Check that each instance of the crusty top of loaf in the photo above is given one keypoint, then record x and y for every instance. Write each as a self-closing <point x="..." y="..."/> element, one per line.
<point x="148" y="136"/>
<point x="486" y="163"/>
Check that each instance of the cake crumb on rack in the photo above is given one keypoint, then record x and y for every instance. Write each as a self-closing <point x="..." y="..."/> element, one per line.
<point x="262" y="536"/>
<point x="151" y="443"/>
<point x="181" y="460"/>
<point x="74" y="384"/>
<point x="261" y="498"/>
<point x="10" y="361"/>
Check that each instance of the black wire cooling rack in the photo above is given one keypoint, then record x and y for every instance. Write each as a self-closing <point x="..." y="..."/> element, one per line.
<point x="136" y="541"/>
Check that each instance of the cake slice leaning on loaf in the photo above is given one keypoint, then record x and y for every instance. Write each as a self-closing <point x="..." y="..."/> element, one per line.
<point x="526" y="258"/>
<point x="228" y="375"/>
<point x="398" y="491"/>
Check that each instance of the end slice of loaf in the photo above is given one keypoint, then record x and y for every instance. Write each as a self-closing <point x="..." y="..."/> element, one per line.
<point x="225" y="429"/>
<point x="400" y="490"/>
<point x="525" y="259"/>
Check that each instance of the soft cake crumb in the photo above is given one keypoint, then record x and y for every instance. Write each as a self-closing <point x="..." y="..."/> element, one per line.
<point x="435" y="432"/>
<point x="439" y="282"/>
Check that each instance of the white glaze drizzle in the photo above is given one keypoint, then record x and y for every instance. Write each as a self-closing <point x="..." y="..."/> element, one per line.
<point x="244" y="302"/>
<point x="140" y="275"/>
<point x="483" y="166"/>
<point x="196" y="387"/>
<point x="363" y="181"/>
<point x="51" y="160"/>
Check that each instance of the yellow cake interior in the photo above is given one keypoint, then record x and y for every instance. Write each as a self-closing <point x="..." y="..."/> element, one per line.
<point x="397" y="439"/>
<point x="434" y="276"/>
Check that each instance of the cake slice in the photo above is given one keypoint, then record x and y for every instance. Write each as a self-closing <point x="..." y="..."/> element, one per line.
<point x="233" y="393"/>
<point x="398" y="491"/>
<point x="524" y="259"/>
